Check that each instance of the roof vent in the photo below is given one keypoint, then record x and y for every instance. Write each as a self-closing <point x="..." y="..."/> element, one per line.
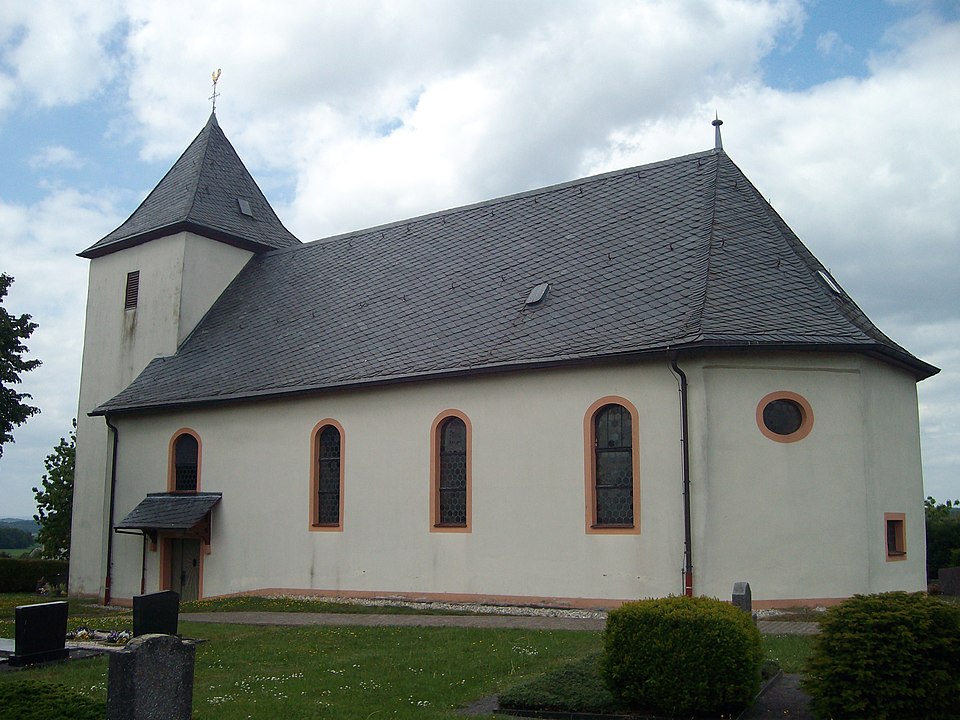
<point x="831" y="283"/>
<point x="245" y="207"/>
<point x="537" y="295"/>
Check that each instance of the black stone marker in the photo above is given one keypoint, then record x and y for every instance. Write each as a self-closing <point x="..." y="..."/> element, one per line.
<point x="156" y="613"/>
<point x="40" y="634"/>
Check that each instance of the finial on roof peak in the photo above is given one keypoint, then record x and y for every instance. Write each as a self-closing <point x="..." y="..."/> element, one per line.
<point x="215" y="76"/>
<point x="717" y="141"/>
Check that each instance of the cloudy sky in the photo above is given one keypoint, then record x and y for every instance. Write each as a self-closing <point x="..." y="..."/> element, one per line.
<point x="846" y="115"/>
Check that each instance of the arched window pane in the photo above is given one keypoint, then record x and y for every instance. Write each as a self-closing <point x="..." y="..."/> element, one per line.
<point x="613" y="466"/>
<point x="328" y="486"/>
<point x="186" y="451"/>
<point x="452" y="488"/>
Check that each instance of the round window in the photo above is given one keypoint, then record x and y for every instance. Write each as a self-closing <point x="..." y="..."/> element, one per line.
<point x="784" y="416"/>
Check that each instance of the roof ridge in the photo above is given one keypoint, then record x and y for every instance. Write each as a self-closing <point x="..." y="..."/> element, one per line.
<point x="195" y="181"/>
<point x="701" y="310"/>
<point x="533" y="192"/>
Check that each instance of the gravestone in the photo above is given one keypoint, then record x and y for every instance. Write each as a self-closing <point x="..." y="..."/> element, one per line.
<point x="949" y="581"/>
<point x="40" y="633"/>
<point x="156" y="613"/>
<point x="742" y="597"/>
<point x="151" y="679"/>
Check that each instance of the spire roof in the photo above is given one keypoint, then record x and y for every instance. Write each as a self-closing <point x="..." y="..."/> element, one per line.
<point x="208" y="191"/>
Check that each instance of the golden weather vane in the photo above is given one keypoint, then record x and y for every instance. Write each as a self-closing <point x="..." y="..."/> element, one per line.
<point x="215" y="76"/>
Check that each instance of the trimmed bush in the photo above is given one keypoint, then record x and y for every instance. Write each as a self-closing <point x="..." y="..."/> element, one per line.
<point x="18" y="575"/>
<point x="891" y="655"/>
<point x="41" y="700"/>
<point x="681" y="655"/>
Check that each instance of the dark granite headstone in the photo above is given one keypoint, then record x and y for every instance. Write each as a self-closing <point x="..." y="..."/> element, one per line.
<point x="949" y="581"/>
<point x="156" y="613"/>
<point x="742" y="597"/>
<point x="40" y="633"/>
<point x="151" y="679"/>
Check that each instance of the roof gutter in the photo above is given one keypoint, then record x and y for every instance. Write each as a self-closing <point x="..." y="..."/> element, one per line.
<point x="113" y="493"/>
<point x="685" y="446"/>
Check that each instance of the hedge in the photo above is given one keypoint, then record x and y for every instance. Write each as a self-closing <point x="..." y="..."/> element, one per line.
<point x="682" y="655"/>
<point x="23" y="575"/>
<point x="890" y="655"/>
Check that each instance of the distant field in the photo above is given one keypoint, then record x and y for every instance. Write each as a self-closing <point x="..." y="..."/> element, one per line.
<point x="16" y="552"/>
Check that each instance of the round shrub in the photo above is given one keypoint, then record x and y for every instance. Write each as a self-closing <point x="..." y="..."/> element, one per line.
<point x="681" y="655"/>
<point x="891" y="655"/>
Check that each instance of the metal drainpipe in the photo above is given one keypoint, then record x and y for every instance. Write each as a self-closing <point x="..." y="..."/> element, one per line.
<point x="113" y="489"/>
<point x="685" y="444"/>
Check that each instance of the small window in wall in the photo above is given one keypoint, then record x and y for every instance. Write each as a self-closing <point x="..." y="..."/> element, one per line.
<point x="896" y="539"/>
<point x="784" y="416"/>
<point x="132" y="292"/>
<point x="185" y="462"/>
<point x="611" y="466"/>
<point x="326" y="483"/>
<point x="450" y="476"/>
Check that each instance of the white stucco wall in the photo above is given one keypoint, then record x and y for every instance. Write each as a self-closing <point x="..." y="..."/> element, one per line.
<point x="799" y="521"/>
<point x="180" y="277"/>
<point x="804" y="520"/>
<point x="527" y="536"/>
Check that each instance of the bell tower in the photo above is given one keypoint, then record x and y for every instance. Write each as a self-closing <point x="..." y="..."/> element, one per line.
<point x="150" y="282"/>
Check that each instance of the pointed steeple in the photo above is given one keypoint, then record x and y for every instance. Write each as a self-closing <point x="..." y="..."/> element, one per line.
<point x="208" y="191"/>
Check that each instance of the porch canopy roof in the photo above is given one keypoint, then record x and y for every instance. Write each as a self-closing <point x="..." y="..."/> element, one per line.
<point x="170" y="511"/>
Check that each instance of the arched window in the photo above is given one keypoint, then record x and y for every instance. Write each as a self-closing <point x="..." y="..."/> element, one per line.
<point x="450" y="473"/>
<point x="612" y="467"/>
<point x="185" y="465"/>
<point x="326" y="473"/>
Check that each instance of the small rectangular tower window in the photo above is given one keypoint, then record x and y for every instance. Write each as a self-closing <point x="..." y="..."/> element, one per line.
<point x="132" y="293"/>
<point x="896" y="541"/>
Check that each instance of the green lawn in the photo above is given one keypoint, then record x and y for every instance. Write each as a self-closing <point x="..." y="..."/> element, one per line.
<point x="343" y="672"/>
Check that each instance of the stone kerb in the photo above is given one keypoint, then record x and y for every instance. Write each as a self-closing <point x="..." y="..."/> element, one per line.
<point x="151" y="679"/>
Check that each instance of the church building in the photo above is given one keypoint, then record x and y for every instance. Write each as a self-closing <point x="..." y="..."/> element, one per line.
<point x="629" y="385"/>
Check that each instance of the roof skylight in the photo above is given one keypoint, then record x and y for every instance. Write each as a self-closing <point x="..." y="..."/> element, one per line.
<point x="245" y="207"/>
<point x="537" y="295"/>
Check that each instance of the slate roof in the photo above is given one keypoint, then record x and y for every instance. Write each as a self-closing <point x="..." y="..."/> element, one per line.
<point x="680" y="254"/>
<point x="201" y="193"/>
<point x="169" y="511"/>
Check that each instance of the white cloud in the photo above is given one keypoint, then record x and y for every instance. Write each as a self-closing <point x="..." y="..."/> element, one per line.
<point x="830" y="43"/>
<point x="38" y="245"/>
<point x="56" y="52"/>
<point x="56" y="156"/>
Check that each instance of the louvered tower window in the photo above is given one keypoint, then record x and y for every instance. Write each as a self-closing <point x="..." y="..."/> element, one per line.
<point x="132" y="292"/>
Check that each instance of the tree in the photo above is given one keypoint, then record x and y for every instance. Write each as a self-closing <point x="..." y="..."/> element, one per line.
<point x="13" y="331"/>
<point x="14" y="538"/>
<point x="943" y="535"/>
<point x="55" y="499"/>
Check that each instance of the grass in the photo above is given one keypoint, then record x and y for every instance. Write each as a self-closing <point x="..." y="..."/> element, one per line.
<point x="251" y="603"/>
<point x="16" y="552"/>
<point x="344" y="672"/>
<point x="340" y="672"/>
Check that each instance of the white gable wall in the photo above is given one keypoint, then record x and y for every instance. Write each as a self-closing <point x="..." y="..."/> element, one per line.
<point x="799" y="521"/>
<point x="180" y="277"/>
